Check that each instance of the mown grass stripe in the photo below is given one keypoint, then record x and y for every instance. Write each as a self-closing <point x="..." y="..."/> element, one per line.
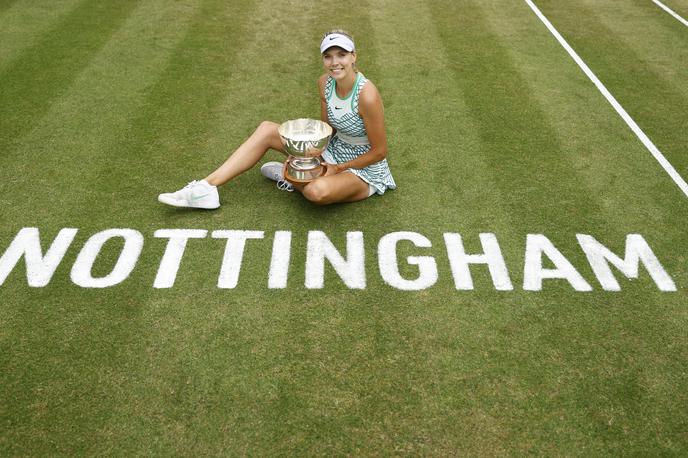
<point x="671" y="12"/>
<point x="431" y="152"/>
<point x="517" y="140"/>
<point x="343" y="350"/>
<point x="596" y="144"/>
<point x="665" y="93"/>
<point x="434" y="143"/>
<point x="599" y="147"/>
<point x="26" y="21"/>
<point x="170" y="131"/>
<point x="43" y="71"/>
<point x="654" y="55"/>
<point x="168" y="135"/>
<point x="481" y="424"/>
<point x="432" y="137"/>
<point x="287" y="342"/>
<point x="628" y="213"/>
<point x="6" y="4"/>
<point x="107" y="325"/>
<point x="587" y="130"/>
<point x="94" y="112"/>
<point x="443" y="146"/>
<point x="680" y="7"/>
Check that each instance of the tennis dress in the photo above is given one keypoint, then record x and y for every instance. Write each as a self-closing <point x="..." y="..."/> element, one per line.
<point x="351" y="139"/>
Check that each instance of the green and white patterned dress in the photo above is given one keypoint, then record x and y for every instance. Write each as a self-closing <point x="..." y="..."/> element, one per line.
<point x="351" y="139"/>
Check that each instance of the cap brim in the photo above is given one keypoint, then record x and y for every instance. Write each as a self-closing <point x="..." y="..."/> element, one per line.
<point x="340" y="41"/>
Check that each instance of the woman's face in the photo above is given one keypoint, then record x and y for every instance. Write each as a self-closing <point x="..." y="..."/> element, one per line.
<point x="338" y="62"/>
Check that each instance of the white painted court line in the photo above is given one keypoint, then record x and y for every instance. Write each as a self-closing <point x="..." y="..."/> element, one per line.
<point x="680" y="182"/>
<point x="670" y="11"/>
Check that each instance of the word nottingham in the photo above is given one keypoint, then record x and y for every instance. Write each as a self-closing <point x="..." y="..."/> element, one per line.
<point x="348" y="262"/>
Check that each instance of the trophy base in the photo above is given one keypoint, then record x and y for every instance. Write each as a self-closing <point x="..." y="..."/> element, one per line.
<point x="296" y="175"/>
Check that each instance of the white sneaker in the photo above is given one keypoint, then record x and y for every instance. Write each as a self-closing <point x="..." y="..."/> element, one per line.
<point x="197" y="194"/>
<point x="273" y="171"/>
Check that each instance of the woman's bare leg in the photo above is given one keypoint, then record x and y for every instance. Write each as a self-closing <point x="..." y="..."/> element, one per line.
<point x="342" y="187"/>
<point x="248" y="154"/>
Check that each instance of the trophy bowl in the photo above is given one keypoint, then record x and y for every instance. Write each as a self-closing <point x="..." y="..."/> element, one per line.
<point x="304" y="140"/>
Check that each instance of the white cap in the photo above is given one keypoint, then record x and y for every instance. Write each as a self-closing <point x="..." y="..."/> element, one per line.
<point x="337" y="39"/>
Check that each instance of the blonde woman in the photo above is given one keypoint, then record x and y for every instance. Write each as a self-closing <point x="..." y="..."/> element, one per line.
<point x="356" y="155"/>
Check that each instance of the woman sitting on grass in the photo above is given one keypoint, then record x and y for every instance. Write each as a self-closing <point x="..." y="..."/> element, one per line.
<point x="356" y="165"/>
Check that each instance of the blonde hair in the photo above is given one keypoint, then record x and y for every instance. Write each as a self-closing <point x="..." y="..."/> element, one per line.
<point x="340" y="31"/>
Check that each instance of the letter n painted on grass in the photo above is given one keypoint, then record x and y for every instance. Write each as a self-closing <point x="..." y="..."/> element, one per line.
<point x="351" y="269"/>
<point x="39" y="268"/>
<point x="637" y="251"/>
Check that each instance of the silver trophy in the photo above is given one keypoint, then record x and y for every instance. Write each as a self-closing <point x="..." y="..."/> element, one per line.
<point x="304" y="140"/>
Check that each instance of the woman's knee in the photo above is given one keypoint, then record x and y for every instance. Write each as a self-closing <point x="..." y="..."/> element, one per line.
<point x="317" y="192"/>
<point x="268" y="132"/>
<point x="268" y="128"/>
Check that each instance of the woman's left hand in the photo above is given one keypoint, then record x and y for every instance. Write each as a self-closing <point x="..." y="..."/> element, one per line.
<point x="332" y="169"/>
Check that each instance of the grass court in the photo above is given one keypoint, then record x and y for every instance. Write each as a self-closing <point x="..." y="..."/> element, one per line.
<point x="492" y="128"/>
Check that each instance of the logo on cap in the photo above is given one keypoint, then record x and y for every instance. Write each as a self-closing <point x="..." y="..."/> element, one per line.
<point x="336" y="39"/>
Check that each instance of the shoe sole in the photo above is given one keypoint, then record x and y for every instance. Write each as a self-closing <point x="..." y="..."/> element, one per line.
<point x="184" y="204"/>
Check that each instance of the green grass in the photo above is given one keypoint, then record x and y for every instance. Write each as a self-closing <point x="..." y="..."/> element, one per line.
<point x="492" y="128"/>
